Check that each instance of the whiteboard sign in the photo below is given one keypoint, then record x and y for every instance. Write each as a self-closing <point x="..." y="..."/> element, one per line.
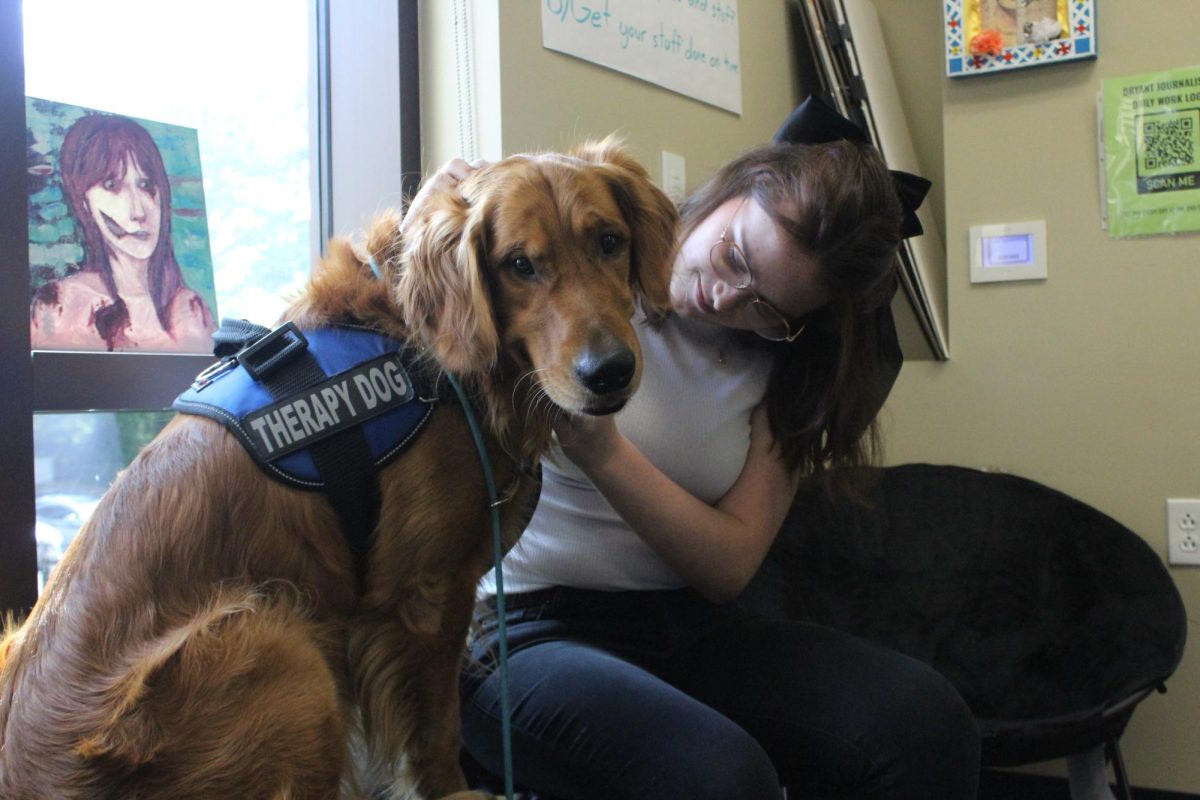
<point x="687" y="46"/>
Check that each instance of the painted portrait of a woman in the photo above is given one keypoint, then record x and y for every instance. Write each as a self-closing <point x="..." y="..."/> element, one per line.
<point x="128" y="293"/>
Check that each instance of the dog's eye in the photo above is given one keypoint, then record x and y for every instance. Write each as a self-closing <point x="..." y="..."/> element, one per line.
<point x="522" y="266"/>
<point x="610" y="243"/>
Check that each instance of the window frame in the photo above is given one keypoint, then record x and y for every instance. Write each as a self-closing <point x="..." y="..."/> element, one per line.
<point x="347" y="169"/>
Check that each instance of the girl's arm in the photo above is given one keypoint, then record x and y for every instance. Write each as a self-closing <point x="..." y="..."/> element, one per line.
<point x="716" y="549"/>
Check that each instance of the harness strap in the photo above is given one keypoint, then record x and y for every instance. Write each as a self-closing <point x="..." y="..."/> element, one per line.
<point x="280" y="361"/>
<point x="236" y="335"/>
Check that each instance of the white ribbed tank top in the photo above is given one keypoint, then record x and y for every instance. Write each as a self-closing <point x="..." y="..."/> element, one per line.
<point x="690" y="417"/>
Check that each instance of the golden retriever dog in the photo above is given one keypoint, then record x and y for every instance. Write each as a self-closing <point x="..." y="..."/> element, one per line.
<point x="206" y="634"/>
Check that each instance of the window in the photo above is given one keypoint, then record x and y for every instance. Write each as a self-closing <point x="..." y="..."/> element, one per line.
<point x="251" y="117"/>
<point x="263" y="84"/>
<point x="76" y="457"/>
<point x="244" y="88"/>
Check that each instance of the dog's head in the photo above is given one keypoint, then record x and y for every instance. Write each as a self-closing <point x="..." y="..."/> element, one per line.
<point x="535" y="263"/>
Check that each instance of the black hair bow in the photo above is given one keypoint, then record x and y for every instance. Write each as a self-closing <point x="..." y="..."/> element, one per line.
<point x="814" y="122"/>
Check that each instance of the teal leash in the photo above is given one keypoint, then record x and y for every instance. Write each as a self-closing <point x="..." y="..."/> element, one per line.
<point x="498" y="550"/>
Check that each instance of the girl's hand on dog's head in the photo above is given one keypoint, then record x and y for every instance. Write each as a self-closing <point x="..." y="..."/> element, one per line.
<point x="455" y="170"/>
<point x="446" y="178"/>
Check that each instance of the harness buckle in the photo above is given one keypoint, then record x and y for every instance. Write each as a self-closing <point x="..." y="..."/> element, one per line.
<point x="213" y="371"/>
<point x="273" y="350"/>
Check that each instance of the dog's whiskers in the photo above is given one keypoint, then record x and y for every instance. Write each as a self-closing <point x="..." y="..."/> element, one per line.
<point x="537" y="392"/>
<point x="527" y="375"/>
<point x="540" y="398"/>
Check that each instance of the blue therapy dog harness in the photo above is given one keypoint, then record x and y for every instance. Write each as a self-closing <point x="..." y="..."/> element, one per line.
<point x="329" y="408"/>
<point x="324" y="410"/>
<point x="321" y="410"/>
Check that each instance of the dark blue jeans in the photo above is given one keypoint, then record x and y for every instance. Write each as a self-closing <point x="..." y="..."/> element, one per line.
<point x="663" y="695"/>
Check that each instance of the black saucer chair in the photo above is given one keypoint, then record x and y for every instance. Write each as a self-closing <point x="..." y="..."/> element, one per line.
<point x="1053" y="620"/>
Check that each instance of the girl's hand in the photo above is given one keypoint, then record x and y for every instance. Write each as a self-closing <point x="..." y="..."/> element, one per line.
<point x="715" y="548"/>
<point x="446" y="178"/>
<point x="587" y="440"/>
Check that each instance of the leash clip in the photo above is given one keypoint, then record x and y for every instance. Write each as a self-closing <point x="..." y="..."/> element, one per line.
<point x="212" y="372"/>
<point x="268" y="353"/>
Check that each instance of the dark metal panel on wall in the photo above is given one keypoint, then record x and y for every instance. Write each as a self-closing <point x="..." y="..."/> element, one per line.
<point x="398" y="50"/>
<point x="323" y="157"/>
<point x="410" y="98"/>
<point x="18" y="551"/>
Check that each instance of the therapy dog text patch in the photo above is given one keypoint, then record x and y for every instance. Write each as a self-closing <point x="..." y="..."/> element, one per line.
<point x="323" y="410"/>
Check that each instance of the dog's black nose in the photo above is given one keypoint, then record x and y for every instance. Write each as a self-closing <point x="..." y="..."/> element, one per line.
<point x="605" y="371"/>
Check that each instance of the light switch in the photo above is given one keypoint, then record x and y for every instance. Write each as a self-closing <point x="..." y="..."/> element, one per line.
<point x="674" y="176"/>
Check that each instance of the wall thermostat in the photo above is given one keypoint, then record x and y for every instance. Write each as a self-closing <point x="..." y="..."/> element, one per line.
<point x="1012" y="252"/>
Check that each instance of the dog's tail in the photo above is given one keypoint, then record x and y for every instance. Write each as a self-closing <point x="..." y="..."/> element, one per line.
<point x="246" y="670"/>
<point x="235" y="695"/>
<point x="121" y="733"/>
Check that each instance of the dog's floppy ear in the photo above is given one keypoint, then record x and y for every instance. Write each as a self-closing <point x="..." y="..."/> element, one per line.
<point x="442" y="287"/>
<point x="652" y="218"/>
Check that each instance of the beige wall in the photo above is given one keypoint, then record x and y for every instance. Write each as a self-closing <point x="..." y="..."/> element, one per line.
<point x="543" y="100"/>
<point x="1088" y="382"/>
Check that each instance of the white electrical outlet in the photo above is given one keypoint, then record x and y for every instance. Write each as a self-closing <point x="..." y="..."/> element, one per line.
<point x="1183" y="531"/>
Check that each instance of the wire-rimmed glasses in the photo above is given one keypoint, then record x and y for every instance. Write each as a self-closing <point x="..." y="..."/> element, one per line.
<point x="730" y="265"/>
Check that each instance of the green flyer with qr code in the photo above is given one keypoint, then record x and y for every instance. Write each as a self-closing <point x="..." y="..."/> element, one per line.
<point x="1152" y="152"/>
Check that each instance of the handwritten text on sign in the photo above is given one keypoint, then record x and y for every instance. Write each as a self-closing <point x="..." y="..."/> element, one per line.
<point x="687" y="46"/>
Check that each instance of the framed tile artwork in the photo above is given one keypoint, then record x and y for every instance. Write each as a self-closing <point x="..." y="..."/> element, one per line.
<point x="985" y="36"/>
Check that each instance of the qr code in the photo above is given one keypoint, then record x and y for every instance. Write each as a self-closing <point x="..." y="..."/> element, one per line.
<point x="1169" y="143"/>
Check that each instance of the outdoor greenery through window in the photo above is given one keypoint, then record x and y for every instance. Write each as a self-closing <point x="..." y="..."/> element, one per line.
<point x="76" y="458"/>
<point x="238" y="74"/>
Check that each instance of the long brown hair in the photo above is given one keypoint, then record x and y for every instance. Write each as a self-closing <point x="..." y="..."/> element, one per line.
<point x="95" y="148"/>
<point x="838" y="204"/>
